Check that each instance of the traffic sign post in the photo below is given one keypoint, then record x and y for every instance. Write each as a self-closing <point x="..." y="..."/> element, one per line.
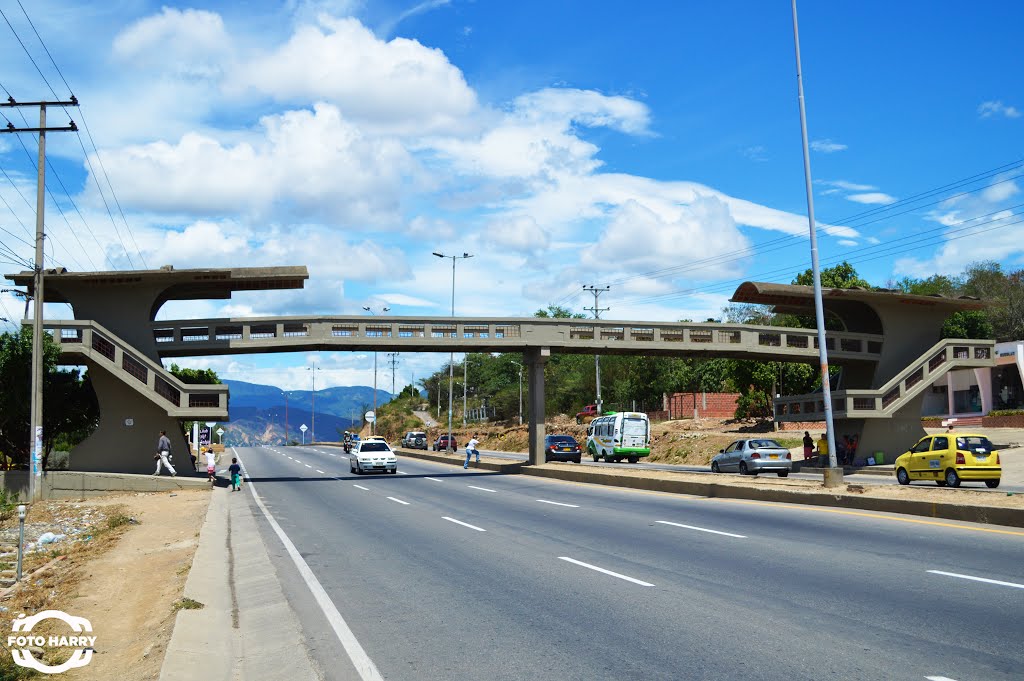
<point x="303" y="428"/>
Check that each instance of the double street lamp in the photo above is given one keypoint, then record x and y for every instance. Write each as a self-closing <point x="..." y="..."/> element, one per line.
<point x="451" y="356"/>
<point x="373" y="424"/>
<point x="312" y="415"/>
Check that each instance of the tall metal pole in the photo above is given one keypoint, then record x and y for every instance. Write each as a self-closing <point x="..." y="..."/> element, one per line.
<point x="819" y="308"/>
<point x="285" y="419"/>
<point x="373" y="424"/>
<point x="451" y="355"/>
<point x="465" y="365"/>
<point x="312" y="415"/>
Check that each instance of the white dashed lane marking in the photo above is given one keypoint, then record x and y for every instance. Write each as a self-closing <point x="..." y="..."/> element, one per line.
<point x="320" y="471"/>
<point x="702" y="529"/>
<point x="977" y="579"/>
<point x="361" y="487"/>
<point x="459" y="522"/>
<point x="557" y="503"/>
<point x="399" y="501"/>
<point x="482" y="489"/>
<point x="434" y="479"/>
<point x="603" y="571"/>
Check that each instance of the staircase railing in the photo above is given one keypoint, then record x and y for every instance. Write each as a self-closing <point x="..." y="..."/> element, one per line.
<point x="946" y="355"/>
<point x="90" y="340"/>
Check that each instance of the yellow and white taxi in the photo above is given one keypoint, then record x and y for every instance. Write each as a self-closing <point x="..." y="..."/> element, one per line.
<point x="950" y="458"/>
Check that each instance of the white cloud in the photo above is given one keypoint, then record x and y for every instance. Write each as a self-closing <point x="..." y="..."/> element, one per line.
<point x="847" y="242"/>
<point x="847" y="186"/>
<point x="872" y="198"/>
<point x="190" y="42"/>
<point x="1000" y="190"/>
<point x="399" y="85"/>
<point x="518" y="234"/>
<point x="997" y="108"/>
<point x="827" y="146"/>
<point x="314" y="162"/>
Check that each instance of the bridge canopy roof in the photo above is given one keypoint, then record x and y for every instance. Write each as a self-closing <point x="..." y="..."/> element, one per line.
<point x="796" y="299"/>
<point x="186" y="284"/>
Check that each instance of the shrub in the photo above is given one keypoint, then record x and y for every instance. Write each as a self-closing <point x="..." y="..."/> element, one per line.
<point x="1006" y="412"/>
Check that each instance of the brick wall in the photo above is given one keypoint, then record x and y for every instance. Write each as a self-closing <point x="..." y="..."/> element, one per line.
<point x="812" y="426"/>
<point x="719" y="405"/>
<point x="1010" y="421"/>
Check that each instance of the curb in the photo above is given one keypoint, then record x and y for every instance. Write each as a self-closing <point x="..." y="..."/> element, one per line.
<point x="989" y="515"/>
<point x="456" y="460"/>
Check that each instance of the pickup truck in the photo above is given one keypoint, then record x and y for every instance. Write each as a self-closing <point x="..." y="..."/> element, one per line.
<point x="588" y="414"/>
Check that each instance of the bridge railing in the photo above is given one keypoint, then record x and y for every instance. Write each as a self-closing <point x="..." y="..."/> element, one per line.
<point x="181" y="337"/>
<point x="946" y="355"/>
<point x="182" y="400"/>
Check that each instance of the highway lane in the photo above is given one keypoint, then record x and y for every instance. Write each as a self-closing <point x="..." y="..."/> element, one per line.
<point x="431" y="598"/>
<point x="858" y="478"/>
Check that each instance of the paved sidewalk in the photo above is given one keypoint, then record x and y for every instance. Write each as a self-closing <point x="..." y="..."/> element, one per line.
<point x="246" y="631"/>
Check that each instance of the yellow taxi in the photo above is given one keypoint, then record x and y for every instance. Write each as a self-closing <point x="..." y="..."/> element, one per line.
<point x="950" y="458"/>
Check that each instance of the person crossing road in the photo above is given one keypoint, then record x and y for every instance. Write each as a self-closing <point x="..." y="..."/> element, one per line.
<point x="470" y="450"/>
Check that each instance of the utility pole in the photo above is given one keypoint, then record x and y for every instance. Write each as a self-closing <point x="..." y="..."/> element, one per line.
<point x="312" y="409"/>
<point x="597" y="358"/>
<point x="394" y="364"/>
<point x="36" y="418"/>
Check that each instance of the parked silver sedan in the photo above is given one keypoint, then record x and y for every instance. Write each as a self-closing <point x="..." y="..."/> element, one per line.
<point x="750" y="457"/>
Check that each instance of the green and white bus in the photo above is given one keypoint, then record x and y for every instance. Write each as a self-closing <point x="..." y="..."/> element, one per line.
<point x="624" y="435"/>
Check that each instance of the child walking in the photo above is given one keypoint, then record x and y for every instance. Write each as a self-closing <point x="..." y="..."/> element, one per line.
<point x="211" y="464"/>
<point x="236" y="475"/>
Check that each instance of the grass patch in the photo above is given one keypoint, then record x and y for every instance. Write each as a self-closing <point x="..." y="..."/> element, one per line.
<point x="187" y="604"/>
<point x="119" y="520"/>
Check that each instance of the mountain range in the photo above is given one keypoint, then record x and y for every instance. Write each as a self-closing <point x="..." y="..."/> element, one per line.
<point x="257" y="413"/>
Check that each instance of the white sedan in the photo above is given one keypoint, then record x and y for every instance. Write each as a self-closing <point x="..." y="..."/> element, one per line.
<point x="373" y="456"/>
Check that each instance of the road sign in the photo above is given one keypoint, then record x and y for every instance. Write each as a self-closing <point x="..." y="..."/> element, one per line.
<point x="303" y="428"/>
<point x="370" y="417"/>
<point x="219" y="431"/>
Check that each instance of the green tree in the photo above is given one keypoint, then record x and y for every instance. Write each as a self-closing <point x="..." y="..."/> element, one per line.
<point x="556" y="311"/>
<point x="843" y="275"/>
<point x="70" y="408"/>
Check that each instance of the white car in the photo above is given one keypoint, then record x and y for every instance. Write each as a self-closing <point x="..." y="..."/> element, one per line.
<point x="373" y="456"/>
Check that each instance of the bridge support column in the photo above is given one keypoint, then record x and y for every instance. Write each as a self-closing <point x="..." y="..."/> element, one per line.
<point x="535" y="358"/>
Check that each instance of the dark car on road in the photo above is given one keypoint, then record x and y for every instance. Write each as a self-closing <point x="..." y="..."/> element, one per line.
<point x="441" y="443"/>
<point x="561" y="448"/>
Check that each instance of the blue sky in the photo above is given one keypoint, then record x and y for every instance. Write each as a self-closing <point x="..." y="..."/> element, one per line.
<point x="653" y="147"/>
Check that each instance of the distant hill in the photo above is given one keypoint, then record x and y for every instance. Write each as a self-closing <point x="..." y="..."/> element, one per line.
<point x="257" y="412"/>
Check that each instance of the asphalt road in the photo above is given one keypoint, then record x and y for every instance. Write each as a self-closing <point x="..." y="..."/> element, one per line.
<point x="441" y="573"/>
<point x="1009" y="483"/>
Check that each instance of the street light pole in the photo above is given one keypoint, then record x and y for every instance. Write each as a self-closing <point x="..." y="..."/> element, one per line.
<point x="312" y="416"/>
<point x="285" y="418"/>
<point x="373" y="424"/>
<point x="451" y="355"/>
<point x="834" y="476"/>
<point x="518" y="364"/>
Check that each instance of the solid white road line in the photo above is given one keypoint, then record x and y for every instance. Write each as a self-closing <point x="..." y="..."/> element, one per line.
<point x="434" y="479"/>
<point x="320" y="471"/>
<point x="402" y="473"/>
<point x="482" y="489"/>
<point x="459" y="522"/>
<point x="364" y="665"/>
<point x="361" y="487"/>
<point x="557" y="503"/>
<point x="607" y="572"/>
<point x="702" y="529"/>
<point x="399" y="501"/>
<point x="977" y="579"/>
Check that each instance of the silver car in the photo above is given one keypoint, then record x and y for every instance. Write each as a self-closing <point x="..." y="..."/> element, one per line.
<point x="750" y="457"/>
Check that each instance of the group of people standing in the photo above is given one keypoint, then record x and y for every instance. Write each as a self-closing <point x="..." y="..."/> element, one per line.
<point x="163" y="460"/>
<point x="846" y="450"/>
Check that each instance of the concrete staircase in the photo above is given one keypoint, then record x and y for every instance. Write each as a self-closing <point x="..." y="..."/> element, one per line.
<point x="946" y="355"/>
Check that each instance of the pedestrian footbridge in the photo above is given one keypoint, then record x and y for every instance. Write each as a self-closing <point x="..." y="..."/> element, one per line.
<point x="887" y="343"/>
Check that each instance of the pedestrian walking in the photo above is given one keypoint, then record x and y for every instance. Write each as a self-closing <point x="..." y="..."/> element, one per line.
<point x="211" y="464"/>
<point x="236" y="474"/>
<point x="163" y="453"/>
<point x="808" y="445"/>
<point x="471" y="449"/>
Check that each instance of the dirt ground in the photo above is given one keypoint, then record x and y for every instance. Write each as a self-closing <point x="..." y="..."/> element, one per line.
<point x="125" y="580"/>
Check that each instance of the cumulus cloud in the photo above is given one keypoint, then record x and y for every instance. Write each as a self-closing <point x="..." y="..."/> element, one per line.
<point x="997" y="108"/>
<point x="398" y="85"/>
<point x="312" y="160"/>
<point x="872" y="198"/>
<point x="190" y="41"/>
<point x="518" y="234"/>
<point x="827" y="146"/>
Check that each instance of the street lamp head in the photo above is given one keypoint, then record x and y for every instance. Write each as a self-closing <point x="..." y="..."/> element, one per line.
<point x="440" y="255"/>
<point x="466" y="255"/>
<point x="385" y="309"/>
<point x="365" y="307"/>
